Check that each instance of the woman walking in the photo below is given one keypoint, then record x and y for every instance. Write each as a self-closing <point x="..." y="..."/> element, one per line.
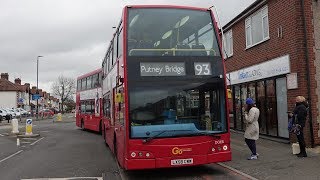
<point x="251" y="134"/>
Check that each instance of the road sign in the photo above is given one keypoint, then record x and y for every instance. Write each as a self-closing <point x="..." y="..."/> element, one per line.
<point x="29" y="121"/>
<point x="29" y="127"/>
<point x="36" y="96"/>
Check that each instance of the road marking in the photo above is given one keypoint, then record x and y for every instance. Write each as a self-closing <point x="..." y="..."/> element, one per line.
<point x="11" y="156"/>
<point x="36" y="141"/>
<point x="25" y="142"/>
<point x="237" y="171"/>
<point x="29" y="138"/>
<point x="43" y="131"/>
<point x="71" y="178"/>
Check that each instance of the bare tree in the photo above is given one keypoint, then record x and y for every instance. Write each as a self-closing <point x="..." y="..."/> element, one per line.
<point x="64" y="88"/>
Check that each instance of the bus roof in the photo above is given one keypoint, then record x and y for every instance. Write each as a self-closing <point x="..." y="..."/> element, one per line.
<point x="90" y="73"/>
<point x="167" y="6"/>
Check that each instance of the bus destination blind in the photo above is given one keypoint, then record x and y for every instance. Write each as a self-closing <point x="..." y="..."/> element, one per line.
<point x="173" y="69"/>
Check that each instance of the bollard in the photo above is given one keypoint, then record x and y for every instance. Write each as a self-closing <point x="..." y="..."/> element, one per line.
<point x="59" y="117"/>
<point x="15" y="126"/>
<point x="18" y="142"/>
<point x="28" y="127"/>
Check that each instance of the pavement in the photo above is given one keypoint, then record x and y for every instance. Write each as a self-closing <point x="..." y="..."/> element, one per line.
<point x="276" y="160"/>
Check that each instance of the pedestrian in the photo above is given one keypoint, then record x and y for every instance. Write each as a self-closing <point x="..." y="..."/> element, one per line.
<point x="300" y="113"/>
<point x="251" y="134"/>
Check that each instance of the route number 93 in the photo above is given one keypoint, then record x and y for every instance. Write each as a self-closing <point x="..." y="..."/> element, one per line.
<point x="202" y="68"/>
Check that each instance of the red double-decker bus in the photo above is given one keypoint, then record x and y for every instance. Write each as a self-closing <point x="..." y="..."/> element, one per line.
<point x="164" y="89"/>
<point x="89" y="101"/>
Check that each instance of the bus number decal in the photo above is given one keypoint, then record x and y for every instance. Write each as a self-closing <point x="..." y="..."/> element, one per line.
<point x="219" y="142"/>
<point x="201" y="69"/>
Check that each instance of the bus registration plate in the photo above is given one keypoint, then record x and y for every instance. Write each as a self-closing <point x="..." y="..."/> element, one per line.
<point x="181" y="161"/>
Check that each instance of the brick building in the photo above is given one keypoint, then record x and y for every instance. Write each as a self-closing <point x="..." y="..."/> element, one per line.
<point x="14" y="94"/>
<point x="273" y="56"/>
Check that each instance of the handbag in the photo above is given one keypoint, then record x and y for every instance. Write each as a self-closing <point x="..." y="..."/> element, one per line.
<point x="293" y="127"/>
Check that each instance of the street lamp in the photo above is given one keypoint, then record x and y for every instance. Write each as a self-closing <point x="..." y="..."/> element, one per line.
<point x="37" y="85"/>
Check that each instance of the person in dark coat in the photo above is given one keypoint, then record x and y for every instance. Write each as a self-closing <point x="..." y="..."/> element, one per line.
<point x="300" y="112"/>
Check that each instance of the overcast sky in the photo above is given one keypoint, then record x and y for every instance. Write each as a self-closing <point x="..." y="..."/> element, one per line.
<point x="72" y="35"/>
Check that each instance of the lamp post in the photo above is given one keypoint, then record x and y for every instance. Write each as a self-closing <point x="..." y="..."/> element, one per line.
<point x="37" y="85"/>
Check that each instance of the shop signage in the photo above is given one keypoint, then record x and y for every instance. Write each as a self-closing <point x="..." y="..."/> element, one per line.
<point x="274" y="67"/>
<point x="292" y="81"/>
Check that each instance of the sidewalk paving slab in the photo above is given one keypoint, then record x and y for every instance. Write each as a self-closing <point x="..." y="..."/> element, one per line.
<point x="275" y="161"/>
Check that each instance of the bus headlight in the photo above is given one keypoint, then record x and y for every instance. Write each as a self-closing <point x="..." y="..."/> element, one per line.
<point x="213" y="149"/>
<point x="133" y="154"/>
<point x="225" y="147"/>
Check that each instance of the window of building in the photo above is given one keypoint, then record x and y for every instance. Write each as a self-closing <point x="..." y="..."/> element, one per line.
<point x="257" y="27"/>
<point x="228" y="40"/>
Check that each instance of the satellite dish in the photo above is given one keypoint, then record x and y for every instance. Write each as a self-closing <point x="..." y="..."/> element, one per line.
<point x="167" y="34"/>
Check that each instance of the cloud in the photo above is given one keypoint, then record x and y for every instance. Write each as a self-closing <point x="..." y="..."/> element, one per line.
<point x="72" y="35"/>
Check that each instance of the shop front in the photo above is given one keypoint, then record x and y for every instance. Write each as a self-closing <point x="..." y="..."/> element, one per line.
<point x="266" y="83"/>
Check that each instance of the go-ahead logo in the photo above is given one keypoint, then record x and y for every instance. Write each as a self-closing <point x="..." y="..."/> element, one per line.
<point x="177" y="150"/>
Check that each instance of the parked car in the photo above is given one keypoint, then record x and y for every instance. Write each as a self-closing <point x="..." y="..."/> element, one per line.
<point x="23" y="112"/>
<point x="2" y="115"/>
<point x="11" y="112"/>
<point x="8" y="115"/>
<point x="46" y="112"/>
<point x="54" y="110"/>
<point x="16" y="111"/>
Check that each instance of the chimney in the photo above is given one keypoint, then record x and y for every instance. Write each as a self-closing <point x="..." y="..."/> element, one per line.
<point x="5" y="76"/>
<point x="17" y="81"/>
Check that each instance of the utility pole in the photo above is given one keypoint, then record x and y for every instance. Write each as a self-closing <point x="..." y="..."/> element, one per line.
<point x="37" y="111"/>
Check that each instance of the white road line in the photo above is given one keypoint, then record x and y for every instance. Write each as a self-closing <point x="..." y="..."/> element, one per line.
<point x="36" y="141"/>
<point x="75" y="178"/>
<point x="29" y="138"/>
<point x="10" y="156"/>
<point x="237" y="171"/>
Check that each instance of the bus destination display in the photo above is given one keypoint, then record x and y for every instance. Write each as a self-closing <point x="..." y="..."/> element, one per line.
<point x="162" y="69"/>
<point x="173" y="69"/>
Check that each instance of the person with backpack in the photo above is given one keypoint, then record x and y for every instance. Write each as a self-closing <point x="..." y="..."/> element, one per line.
<point x="251" y="134"/>
<point x="300" y="113"/>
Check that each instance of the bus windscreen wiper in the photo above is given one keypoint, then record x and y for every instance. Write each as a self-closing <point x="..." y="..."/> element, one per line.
<point x="156" y="135"/>
<point x="152" y="137"/>
<point x="203" y="133"/>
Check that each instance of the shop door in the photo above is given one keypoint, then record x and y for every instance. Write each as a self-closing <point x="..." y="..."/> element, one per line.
<point x="282" y="107"/>
<point x="272" y="123"/>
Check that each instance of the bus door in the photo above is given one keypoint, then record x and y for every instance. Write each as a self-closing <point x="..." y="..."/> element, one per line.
<point x="120" y="130"/>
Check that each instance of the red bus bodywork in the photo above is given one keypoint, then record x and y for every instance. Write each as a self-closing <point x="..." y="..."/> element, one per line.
<point x="85" y="118"/>
<point x="133" y="153"/>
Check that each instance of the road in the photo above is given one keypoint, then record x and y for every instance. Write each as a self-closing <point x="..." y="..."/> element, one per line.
<point x="64" y="151"/>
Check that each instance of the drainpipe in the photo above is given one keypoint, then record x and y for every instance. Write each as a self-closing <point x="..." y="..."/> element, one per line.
<point x="307" y="69"/>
